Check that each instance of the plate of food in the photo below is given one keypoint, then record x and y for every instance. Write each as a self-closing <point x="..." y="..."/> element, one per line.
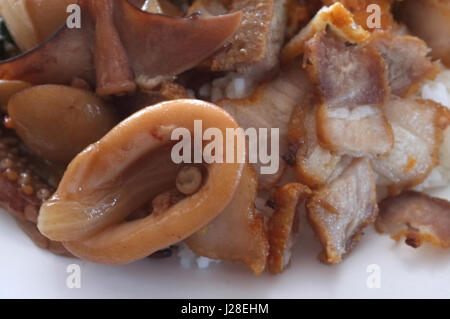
<point x="225" y="149"/>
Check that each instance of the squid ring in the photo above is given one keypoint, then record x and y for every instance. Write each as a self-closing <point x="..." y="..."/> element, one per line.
<point x="126" y="168"/>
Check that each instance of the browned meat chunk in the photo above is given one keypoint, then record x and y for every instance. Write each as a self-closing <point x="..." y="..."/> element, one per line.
<point x="361" y="131"/>
<point x="283" y="225"/>
<point x="361" y="15"/>
<point x="351" y="82"/>
<point x="418" y="132"/>
<point x="271" y="106"/>
<point x="238" y="233"/>
<point x="406" y="60"/>
<point x="315" y="165"/>
<point x="340" y="211"/>
<point x="417" y="217"/>
<point x="336" y="18"/>
<point x="345" y="74"/>
<point x="256" y="45"/>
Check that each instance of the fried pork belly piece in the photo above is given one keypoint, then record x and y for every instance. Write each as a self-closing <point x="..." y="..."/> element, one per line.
<point x="255" y="48"/>
<point x="340" y="211"/>
<point x="417" y="217"/>
<point x="406" y="60"/>
<point x="336" y="18"/>
<point x="283" y="225"/>
<point x="315" y="165"/>
<point x="271" y="106"/>
<point x="429" y="20"/>
<point x="359" y="10"/>
<point x="361" y="131"/>
<point x="352" y="83"/>
<point x="238" y="233"/>
<point x="418" y="127"/>
<point x="345" y="73"/>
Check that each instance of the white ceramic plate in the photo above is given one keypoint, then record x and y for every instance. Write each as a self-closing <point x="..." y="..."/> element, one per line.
<point x="29" y="272"/>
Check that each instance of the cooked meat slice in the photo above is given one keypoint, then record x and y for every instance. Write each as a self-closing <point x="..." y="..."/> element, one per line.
<point x="283" y="225"/>
<point x="418" y="132"/>
<point x="351" y="81"/>
<point x="315" y="165"/>
<point x="359" y="9"/>
<point x="361" y="131"/>
<point x="271" y="106"/>
<point x="406" y="60"/>
<point x="340" y="211"/>
<point x="255" y="48"/>
<point x="345" y="74"/>
<point x="238" y="233"/>
<point x="417" y="217"/>
<point x="429" y="20"/>
<point x="336" y="18"/>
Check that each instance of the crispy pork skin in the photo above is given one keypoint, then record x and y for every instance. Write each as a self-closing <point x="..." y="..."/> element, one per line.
<point x="255" y="48"/>
<point x="283" y="224"/>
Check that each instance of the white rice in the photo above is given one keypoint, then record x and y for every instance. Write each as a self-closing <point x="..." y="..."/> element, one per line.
<point x="231" y="86"/>
<point x="188" y="258"/>
<point x="438" y="90"/>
